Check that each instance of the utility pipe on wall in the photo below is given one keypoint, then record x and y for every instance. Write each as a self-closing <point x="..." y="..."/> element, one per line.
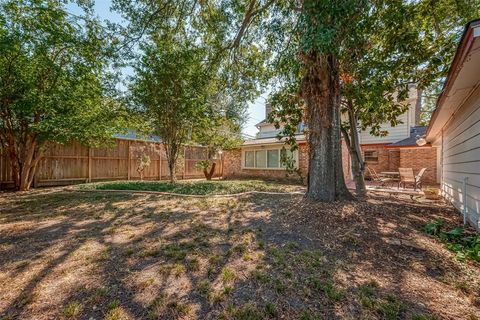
<point x="465" y="179"/>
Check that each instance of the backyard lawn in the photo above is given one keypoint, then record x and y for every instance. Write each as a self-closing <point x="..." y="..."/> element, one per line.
<point x="117" y="255"/>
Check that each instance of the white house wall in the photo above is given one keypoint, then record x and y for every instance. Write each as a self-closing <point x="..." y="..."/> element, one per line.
<point x="397" y="133"/>
<point x="400" y="131"/>
<point x="460" y="152"/>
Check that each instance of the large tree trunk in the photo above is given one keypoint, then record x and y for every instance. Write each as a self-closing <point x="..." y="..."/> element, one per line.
<point x="209" y="173"/>
<point x="24" y="157"/>
<point x="357" y="165"/>
<point x="171" y="152"/>
<point x="171" y="168"/>
<point x="320" y="91"/>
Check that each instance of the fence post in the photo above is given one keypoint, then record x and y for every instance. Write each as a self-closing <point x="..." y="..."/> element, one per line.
<point x="129" y="158"/>
<point x="89" y="179"/>
<point x="184" y="163"/>
<point x="159" y="162"/>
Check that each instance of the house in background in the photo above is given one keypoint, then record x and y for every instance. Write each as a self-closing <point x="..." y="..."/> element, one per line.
<point x="454" y="128"/>
<point x="260" y="157"/>
<point x="399" y="149"/>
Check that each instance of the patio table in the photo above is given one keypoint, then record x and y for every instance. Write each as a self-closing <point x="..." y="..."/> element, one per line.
<point x="390" y="173"/>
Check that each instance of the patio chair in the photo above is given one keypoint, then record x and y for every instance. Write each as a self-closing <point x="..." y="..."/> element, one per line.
<point x="406" y="176"/>
<point x="378" y="178"/>
<point x="418" y="178"/>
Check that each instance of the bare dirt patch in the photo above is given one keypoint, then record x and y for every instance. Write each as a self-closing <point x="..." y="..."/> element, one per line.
<point x="76" y="255"/>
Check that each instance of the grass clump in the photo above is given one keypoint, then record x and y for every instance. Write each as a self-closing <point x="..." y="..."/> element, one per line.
<point x="252" y="311"/>
<point x="228" y="275"/>
<point x="328" y="288"/>
<point x="72" y="309"/>
<point x="99" y="294"/>
<point x="204" y="287"/>
<point x="388" y="308"/>
<point x="117" y="313"/>
<point x="168" y="307"/>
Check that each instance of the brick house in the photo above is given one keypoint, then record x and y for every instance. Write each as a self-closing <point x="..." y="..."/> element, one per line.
<point x="260" y="157"/>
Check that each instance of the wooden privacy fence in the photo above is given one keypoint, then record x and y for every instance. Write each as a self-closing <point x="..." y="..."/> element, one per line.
<point x="75" y="163"/>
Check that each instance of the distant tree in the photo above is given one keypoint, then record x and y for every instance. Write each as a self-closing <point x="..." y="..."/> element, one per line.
<point x="171" y="86"/>
<point x="429" y="101"/>
<point x="220" y="134"/>
<point x="54" y="85"/>
<point x="186" y="81"/>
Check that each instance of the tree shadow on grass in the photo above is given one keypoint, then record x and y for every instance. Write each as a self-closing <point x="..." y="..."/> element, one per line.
<point x="257" y="257"/>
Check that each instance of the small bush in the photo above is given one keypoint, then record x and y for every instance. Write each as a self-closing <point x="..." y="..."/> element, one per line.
<point x="465" y="245"/>
<point x="433" y="228"/>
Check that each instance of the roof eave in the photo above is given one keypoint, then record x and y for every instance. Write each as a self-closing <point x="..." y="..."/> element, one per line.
<point x="462" y="49"/>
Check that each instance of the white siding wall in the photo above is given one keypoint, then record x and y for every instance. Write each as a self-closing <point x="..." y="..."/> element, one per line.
<point x="397" y="133"/>
<point x="267" y="131"/>
<point x="460" y="151"/>
<point x="400" y="131"/>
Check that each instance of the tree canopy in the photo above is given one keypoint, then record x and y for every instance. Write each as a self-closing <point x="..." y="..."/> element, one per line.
<point x="54" y="83"/>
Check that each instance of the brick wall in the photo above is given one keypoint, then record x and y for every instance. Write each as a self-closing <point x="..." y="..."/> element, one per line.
<point x="383" y="163"/>
<point x="418" y="158"/>
<point x="232" y="162"/>
<point x="393" y="159"/>
<point x="390" y="159"/>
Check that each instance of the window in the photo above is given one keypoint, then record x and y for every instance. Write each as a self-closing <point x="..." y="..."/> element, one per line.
<point x="273" y="158"/>
<point x="266" y="158"/>
<point x="287" y="155"/>
<point x="260" y="159"/>
<point x="371" y="156"/>
<point x="249" y="159"/>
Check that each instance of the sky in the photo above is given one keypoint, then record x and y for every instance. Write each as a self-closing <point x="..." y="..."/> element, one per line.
<point x="256" y="110"/>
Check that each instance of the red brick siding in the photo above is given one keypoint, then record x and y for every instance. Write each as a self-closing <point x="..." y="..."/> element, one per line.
<point x="388" y="160"/>
<point x="383" y="163"/>
<point x="418" y="158"/>
<point x="233" y="166"/>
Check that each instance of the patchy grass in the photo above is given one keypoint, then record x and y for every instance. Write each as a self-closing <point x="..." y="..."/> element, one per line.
<point x="77" y="255"/>
<point x="73" y="309"/>
<point x="196" y="187"/>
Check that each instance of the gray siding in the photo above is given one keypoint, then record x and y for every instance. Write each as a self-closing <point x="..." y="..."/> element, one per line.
<point x="461" y="159"/>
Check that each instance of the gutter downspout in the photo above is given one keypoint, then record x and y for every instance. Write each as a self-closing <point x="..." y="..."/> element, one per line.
<point x="464" y="211"/>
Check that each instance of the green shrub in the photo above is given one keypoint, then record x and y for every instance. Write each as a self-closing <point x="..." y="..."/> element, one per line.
<point x="465" y="245"/>
<point x="433" y="228"/>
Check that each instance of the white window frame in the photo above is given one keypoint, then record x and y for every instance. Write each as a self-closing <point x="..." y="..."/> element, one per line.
<point x="266" y="149"/>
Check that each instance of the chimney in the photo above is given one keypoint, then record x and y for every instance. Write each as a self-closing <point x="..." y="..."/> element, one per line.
<point x="418" y="107"/>
<point x="268" y="109"/>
